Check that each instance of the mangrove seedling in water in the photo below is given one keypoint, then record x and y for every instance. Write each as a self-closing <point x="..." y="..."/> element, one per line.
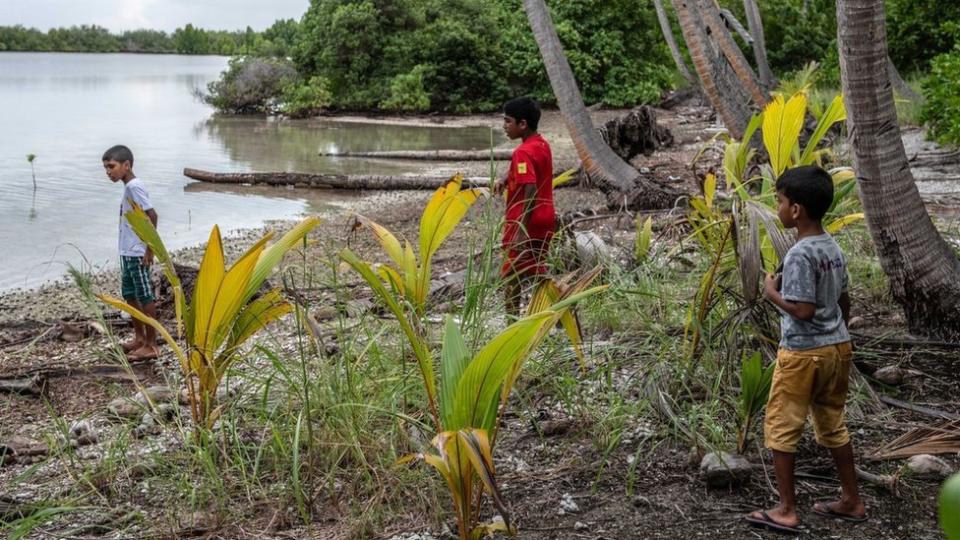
<point x="33" y="172"/>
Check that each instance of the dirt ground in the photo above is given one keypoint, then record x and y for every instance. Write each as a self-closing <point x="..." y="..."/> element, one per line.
<point x="645" y="486"/>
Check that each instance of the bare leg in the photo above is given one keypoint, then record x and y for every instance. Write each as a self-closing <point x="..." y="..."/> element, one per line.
<point x="512" y="295"/>
<point x="146" y="334"/>
<point x="786" y="512"/>
<point x="850" y="503"/>
<point x="138" y="330"/>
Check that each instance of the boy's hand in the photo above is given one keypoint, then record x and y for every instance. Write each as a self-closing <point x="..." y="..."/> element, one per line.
<point x="499" y="186"/>
<point x="147" y="259"/>
<point x="771" y="285"/>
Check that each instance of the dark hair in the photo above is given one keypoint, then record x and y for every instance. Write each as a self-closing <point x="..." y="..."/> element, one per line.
<point x="118" y="153"/>
<point x="810" y="186"/>
<point x="523" y="108"/>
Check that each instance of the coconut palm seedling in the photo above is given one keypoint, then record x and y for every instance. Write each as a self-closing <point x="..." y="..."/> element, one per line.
<point x="33" y="172"/>
<point x="755" y="382"/>
<point x="225" y="310"/>
<point x="408" y="276"/>
<point x="473" y="392"/>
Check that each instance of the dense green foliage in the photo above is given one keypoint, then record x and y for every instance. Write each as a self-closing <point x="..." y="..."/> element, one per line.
<point x="467" y="55"/>
<point x="275" y="41"/>
<point x="941" y="109"/>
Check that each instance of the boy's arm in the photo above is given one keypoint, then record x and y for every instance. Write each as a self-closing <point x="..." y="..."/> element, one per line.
<point x="529" y="197"/>
<point x="798" y="310"/>
<point x="844" y="302"/>
<point x="148" y="255"/>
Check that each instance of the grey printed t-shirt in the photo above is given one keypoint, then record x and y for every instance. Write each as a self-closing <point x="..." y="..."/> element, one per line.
<point x="814" y="272"/>
<point x="130" y="244"/>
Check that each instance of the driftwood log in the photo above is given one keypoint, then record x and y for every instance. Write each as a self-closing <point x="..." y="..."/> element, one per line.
<point x="498" y="154"/>
<point x="330" y="181"/>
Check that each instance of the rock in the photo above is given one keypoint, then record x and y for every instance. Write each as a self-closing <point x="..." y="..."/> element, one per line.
<point x="927" y="465"/>
<point x="567" y="505"/>
<point x="20" y="449"/>
<point x="855" y="322"/>
<point x="580" y="526"/>
<point x="156" y="394"/>
<point x="591" y="249"/>
<point x="124" y="408"/>
<point x="81" y="432"/>
<point x="721" y="469"/>
<point x="889" y="375"/>
<point x="551" y="428"/>
<point x="325" y="313"/>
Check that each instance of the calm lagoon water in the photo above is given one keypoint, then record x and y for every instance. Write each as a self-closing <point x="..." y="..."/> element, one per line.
<point x="68" y="108"/>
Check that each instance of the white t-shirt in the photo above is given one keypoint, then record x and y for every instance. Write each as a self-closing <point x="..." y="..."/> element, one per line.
<point x="130" y="244"/>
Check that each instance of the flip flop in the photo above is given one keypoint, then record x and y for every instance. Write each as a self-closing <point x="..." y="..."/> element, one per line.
<point x="129" y="347"/>
<point x="766" y="521"/>
<point x="822" y="509"/>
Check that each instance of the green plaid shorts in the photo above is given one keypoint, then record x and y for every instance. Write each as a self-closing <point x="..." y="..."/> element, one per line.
<point x="135" y="281"/>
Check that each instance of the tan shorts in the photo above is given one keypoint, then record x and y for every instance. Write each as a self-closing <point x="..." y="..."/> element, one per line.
<point x="814" y="380"/>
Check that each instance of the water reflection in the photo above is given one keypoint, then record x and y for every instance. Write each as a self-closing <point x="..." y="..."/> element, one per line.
<point x="269" y="144"/>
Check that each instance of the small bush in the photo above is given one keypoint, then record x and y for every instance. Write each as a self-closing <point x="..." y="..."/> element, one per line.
<point x="306" y="98"/>
<point x="407" y="92"/>
<point x="941" y="109"/>
<point x="251" y="85"/>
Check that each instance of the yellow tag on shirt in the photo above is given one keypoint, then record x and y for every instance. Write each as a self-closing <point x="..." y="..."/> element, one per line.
<point x="522" y="167"/>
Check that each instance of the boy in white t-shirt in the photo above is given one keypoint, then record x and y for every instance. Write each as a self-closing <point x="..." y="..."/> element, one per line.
<point x="135" y="256"/>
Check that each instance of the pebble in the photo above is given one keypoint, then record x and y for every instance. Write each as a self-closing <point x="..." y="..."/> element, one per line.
<point x="889" y="375"/>
<point x="567" y="505"/>
<point x="927" y="465"/>
<point x="580" y="526"/>
<point x="721" y="469"/>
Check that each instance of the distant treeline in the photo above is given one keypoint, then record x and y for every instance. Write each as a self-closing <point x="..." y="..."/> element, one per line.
<point x="277" y="40"/>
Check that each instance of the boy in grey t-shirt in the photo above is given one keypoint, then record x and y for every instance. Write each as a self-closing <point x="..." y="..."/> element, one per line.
<point x="135" y="256"/>
<point x="813" y="363"/>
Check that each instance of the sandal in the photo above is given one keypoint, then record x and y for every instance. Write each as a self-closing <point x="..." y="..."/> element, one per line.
<point x="822" y="509"/>
<point x="768" y="522"/>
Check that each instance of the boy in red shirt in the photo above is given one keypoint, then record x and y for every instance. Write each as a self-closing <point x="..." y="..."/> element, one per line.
<point x="530" y="217"/>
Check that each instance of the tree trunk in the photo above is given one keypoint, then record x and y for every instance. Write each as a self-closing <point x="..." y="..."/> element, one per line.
<point x="900" y="86"/>
<point x="710" y="14"/>
<point x="329" y="181"/>
<point x="755" y="23"/>
<point x="623" y="184"/>
<point x="923" y="269"/>
<point x="500" y="154"/>
<point x="720" y="84"/>
<point x="672" y="42"/>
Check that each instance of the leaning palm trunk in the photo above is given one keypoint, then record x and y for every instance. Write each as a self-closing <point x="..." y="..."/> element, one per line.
<point x="900" y="86"/>
<point x="623" y="184"/>
<point x="710" y="14"/>
<point x="672" y="42"/>
<point x="755" y="23"/>
<point x="924" y="271"/>
<point x="717" y="78"/>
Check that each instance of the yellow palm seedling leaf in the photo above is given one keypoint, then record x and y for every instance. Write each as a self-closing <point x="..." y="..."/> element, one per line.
<point x="476" y="445"/>
<point x="641" y="247"/>
<point x="547" y="294"/>
<point x="122" y="305"/>
<point x="386" y="238"/>
<point x="144" y="229"/>
<point x="478" y="392"/>
<point x="842" y="174"/>
<point x="709" y="189"/>
<point x="254" y="316"/>
<point x="836" y="112"/>
<point x="565" y="177"/>
<point x="391" y="276"/>
<point x="206" y="288"/>
<point x="271" y="256"/>
<point x="230" y="298"/>
<point x="840" y="223"/>
<point x="410" y="277"/>
<point x="782" y="123"/>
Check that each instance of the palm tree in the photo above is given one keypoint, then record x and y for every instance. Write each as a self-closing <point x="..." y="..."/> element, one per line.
<point x="719" y="82"/>
<point x="710" y="14"/>
<point x="755" y="23"/>
<point x="623" y="184"/>
<point x="923" y="269"/>
<point x="672" y="42"/>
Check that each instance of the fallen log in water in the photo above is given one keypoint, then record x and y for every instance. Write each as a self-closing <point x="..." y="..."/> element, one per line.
<point x="498" y="154"/>
<point x="331" y="181"/>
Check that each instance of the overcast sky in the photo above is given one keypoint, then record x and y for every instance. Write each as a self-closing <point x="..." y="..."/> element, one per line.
<point x="119" y="15"/>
